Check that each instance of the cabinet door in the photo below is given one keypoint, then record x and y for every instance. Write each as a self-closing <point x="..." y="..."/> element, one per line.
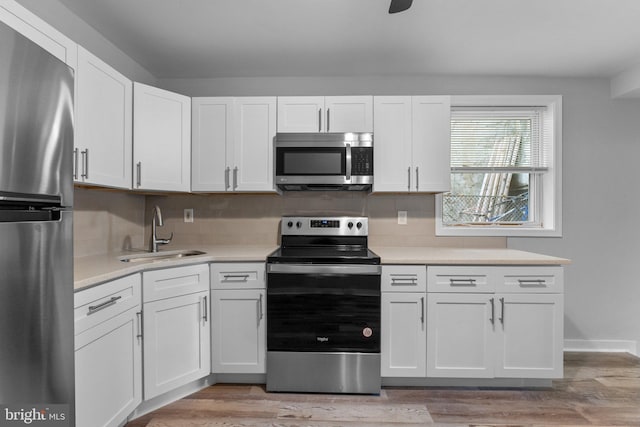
<point x="103" y="123"/>
<point x="460" y="335"/>
<point x="431" y="130"/>
<point x="404" y="338"/>
<point x="238" y="331"/>
<point x="348" y="113"/>
<point x="108" y="370"/>
<point x="529" y="330"/>
<point x="161" y="139"/>
<point x="392" y="143"/>
<point x="39" y="32"/>
<point x="301" y="114"/>
<point x="212" y="133"/>
<point x="176" y="342"/>
<point x="255" y="129"/>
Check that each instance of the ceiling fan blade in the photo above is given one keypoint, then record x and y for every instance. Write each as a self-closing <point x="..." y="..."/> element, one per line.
<point x="399" y="5"/>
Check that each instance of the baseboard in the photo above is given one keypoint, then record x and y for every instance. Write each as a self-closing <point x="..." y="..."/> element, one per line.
<point x="612" y="346"/>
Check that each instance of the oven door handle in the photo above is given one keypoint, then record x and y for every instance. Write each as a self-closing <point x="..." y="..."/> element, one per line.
<point x="324" y="269"/>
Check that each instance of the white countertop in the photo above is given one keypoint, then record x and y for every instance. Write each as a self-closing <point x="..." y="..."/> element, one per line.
<point x="463" y="256"/>
<point x="96" y="269"/>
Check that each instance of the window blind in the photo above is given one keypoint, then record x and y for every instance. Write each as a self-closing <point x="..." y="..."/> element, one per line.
<point x="498" y="140"/>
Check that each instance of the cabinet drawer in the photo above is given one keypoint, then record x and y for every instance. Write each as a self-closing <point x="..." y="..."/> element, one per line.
<point x="172" y="282"/>
<point x="99" y="303"/>
<point x="404" y="278"/>
<point x="249" y="275"/>
<point x="460" y="279"/>
<point x="531" y="280"/>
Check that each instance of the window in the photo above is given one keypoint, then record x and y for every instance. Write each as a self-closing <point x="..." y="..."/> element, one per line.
<point x="505" y="168"/>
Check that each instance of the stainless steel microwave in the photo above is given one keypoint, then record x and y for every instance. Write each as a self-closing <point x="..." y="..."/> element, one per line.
<point x="324" y="161"/>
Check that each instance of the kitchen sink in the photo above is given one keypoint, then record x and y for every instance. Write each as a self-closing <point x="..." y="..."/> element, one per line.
<point x="160" y="256"/>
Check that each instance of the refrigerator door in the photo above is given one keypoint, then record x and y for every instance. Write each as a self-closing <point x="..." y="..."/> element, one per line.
<point x="36" y="120"/>
<point x="36" y="312"/>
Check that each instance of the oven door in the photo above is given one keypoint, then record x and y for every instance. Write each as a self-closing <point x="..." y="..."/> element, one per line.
<point x="323" y="308"/>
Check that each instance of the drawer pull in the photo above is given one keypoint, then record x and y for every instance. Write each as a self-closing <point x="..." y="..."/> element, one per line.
<point x="236" y="277"/>
<point x="400" y="279"/>
<point x="101" y="306"/>
<point x="532" y="282"/>
<point x="462" y="282"/>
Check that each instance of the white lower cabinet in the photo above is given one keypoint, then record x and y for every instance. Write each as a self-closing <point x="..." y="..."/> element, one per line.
<point x="403" y="340"/>
<point x="495" y="322"/>
<point x="108" y="352"/>
<point x="238" y="313"/>
<point x="176" y="328"/>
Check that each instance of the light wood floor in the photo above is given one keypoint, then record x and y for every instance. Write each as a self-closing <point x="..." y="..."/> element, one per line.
<point x="601" y="389"/>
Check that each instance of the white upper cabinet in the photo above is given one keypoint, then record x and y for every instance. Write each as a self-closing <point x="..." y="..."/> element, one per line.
<point x="431" y="134"/>
<point x="162" y="139"/>
<point x="38" y="31"/>
<point x="325" y="114"/>
<point x="412" y="143"/>
<point x="103" y="144"/>
<point x="233" y="144"/>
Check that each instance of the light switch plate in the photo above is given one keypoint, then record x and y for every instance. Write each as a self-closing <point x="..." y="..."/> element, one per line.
<point x="402" y="217"/>
<point x="188" y="215"/>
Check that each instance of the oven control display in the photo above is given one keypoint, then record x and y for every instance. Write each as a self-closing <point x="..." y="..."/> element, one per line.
<point x="325" y="223"/>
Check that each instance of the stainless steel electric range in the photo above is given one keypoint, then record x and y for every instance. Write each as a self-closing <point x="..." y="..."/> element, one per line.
<point x="323" y="308"/>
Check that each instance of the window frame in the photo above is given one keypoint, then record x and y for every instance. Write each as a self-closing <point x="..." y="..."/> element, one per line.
<point x="550" y="185"/>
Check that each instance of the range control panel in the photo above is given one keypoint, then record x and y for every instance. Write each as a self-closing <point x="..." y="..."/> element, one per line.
<point x="324" y="226"/>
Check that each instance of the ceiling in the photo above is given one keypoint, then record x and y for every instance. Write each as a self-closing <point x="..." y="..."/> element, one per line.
<point x="260" y="38"/>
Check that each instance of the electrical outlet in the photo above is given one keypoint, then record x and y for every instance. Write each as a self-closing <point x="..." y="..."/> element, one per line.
<point x="402" y="217"/>
<point x="188" y="215"/>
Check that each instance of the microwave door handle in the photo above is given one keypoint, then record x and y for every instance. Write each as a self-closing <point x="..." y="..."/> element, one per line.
<point x="349" y="162"/>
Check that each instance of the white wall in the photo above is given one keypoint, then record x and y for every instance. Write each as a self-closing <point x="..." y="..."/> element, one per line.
<point x="601" y="206"/>
<point x="80" y="32"/>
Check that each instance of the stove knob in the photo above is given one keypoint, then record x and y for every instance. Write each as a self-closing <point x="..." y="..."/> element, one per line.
<point x="290" y="224"/>
<point x="299" y="224"/>
<point x="359" y="225"/>
<point x="350" y="225"/>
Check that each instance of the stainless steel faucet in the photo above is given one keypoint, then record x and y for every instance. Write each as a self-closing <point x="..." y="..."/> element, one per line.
<point x="157" y="222"/>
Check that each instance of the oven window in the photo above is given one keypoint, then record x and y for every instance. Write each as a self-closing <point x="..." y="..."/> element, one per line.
<point x="316" y="161"/>
<point x="323" y="313"/>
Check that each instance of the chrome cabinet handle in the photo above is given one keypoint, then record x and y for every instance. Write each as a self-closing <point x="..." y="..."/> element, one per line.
<point x="532" y="282"/>
<point x="319" y="119"/>
<point x="138" y="174"/>
<point x="205" y="309"/>
<point x="260" y="312"/>
<point x="75" y="163"/>
<point x="84" y="154"/>
<point x="95" y="308"/>
<point x="412" y="279"/>
<point x="417" y="179"/>
<point x="501" y="318"/>
<point x="462" y="282"/>
<point x="409" y="178"/>
<point x="139" y="316"/>
<point x="235" y="177"/>
<point x="328" y="119"/>
<point x="234" y="277"/>
<point x="493" y="317"/>
<point x="226" y="177"/>
<point x="422" y="310"/>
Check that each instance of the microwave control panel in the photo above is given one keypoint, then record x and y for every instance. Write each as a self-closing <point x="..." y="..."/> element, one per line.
<point x="361" y="161"/>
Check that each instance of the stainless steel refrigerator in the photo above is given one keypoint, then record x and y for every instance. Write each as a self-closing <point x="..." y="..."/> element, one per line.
<point x="36" y="240"/>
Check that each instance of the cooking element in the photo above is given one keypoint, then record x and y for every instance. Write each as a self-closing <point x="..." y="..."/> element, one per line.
<point x="323" y="308"/>
<point x="36" y="242"/>
<point x="324" y="161"/>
